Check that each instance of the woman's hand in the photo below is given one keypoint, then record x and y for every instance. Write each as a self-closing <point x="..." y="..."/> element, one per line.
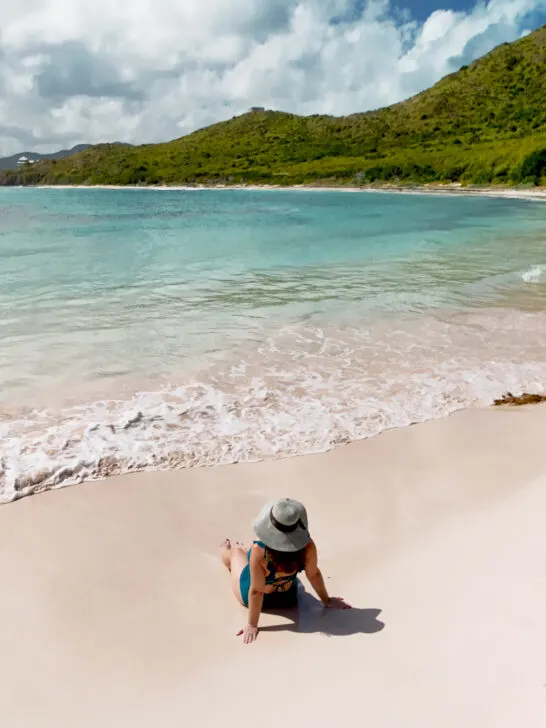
<point x="250" y="634"/>
<point x="337" y="603"/>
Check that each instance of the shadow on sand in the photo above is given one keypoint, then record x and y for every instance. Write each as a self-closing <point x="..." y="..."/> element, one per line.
<point x="311" y="617"/>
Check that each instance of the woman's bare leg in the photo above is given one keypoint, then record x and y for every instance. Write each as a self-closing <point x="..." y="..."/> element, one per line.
<point x="234" y="558"/>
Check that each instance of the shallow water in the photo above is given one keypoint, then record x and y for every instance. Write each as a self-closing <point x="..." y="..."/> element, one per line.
<point x="150" y="329"/>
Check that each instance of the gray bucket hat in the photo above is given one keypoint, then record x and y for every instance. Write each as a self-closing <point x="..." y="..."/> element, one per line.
<point x="282" y="525"/>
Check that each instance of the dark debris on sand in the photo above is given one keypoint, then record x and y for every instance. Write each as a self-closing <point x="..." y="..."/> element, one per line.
<point x="521" y="399"/>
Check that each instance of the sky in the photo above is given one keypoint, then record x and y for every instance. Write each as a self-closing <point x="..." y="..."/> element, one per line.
<point x="75" y="71"/>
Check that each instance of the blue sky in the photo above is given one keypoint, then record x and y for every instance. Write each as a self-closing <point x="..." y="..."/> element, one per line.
<point x="421" y="9"/>
<point x="143" y="71"/>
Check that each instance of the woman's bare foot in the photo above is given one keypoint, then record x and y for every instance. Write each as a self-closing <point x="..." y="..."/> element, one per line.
<point x="225" y="553"/>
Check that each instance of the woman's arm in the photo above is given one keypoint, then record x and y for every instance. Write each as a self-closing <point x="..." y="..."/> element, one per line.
<point x="255" y="595"/>
<point x="257" y="586"/>
<point x="314" y="574"/>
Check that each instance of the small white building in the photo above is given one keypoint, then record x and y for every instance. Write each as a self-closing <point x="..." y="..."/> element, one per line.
<point x="24" y="161"/>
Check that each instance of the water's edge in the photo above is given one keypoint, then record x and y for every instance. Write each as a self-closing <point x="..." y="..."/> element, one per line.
<point x="110" y="468"/>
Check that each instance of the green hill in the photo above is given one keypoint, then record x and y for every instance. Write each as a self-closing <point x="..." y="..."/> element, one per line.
<point x="484" y="124"/>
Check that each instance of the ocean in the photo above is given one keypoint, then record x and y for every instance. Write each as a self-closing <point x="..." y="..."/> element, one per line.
<point x="155" y="329"/>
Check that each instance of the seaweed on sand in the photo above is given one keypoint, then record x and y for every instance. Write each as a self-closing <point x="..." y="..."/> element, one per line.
<point x="518" y="400"/>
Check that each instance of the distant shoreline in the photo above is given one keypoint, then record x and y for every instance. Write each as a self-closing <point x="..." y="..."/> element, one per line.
<point x="513" y="193"/>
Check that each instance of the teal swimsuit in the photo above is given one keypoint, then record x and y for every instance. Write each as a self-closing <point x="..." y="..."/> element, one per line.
<point x="283" y="596"/>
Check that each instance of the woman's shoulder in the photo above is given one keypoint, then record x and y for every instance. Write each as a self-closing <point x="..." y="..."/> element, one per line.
<point x="258" y="549"/>
<point x="310" y="552"/>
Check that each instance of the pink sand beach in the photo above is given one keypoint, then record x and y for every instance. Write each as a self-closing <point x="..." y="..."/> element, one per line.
<point x="116" y="610"/>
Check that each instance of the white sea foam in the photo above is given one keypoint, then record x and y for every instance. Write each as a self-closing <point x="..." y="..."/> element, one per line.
<point x="534" y="274"/>
<point x="306" y="390"/>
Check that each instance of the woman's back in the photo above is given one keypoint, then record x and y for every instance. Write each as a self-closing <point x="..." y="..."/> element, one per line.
<point x="281" y="570"/>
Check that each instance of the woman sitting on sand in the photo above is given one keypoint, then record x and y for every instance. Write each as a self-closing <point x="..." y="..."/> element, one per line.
<point x="265" y="576"/>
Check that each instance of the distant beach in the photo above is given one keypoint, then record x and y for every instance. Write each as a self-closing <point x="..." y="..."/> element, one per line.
<point x="511" y="193"/>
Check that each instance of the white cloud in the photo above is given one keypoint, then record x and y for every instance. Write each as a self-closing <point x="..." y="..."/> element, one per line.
<point x="134" y="71"/>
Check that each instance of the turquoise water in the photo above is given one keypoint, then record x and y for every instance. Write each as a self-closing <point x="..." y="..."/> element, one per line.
<point x="147" y="329"/>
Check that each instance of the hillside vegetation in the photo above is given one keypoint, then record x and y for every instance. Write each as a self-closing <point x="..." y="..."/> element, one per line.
<point x="484" y="124"/>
